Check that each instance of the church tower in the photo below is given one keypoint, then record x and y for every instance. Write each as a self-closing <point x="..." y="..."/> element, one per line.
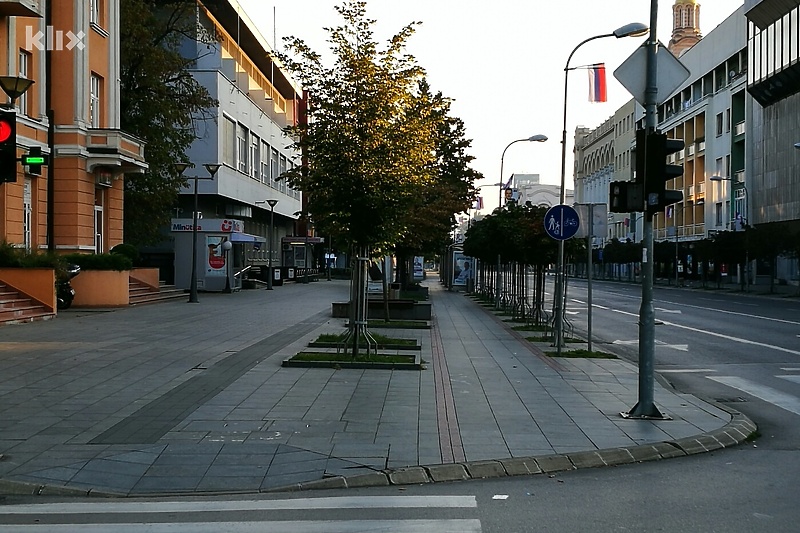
<point x="685" y="26"/>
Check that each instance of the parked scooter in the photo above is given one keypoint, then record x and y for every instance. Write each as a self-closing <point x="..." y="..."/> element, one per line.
<point x="64" y="291"/>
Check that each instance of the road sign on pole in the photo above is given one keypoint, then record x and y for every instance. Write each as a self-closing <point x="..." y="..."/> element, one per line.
<point x="561" y="222"/>
<point x="671" y="74"/>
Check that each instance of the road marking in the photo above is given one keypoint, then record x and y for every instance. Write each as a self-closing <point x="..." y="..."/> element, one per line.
<point x="344" y="502"/>
<point x="768" y="394"/>
<point x="321" y="526"/>
<point x="675" y="311"/>
<point x="679" y="347"/>
<point x="636" y="341"/>
<point x="794" y="379"/>
<point x="720" y="335"/>
<point x="686" y="370"/>
<point x="578" y="301"/>
<point x="790" y="369"/>
<point x="604" y="307"/>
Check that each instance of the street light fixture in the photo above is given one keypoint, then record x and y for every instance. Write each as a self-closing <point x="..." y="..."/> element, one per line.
<point x="533" y="138"/>
<point x="227" y="246"/>
<point x="14" y="87"/>
<point x="271" y="203"/>
<point x="634" y="29"/>
<point x="212" y="169"/>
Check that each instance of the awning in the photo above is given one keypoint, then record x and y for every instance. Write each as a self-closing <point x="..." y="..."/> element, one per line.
<point x="246" y="237"/>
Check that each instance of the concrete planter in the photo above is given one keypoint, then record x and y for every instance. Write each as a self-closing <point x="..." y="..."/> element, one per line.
<point x="36" y="283"/>
<point x="146" y="276"/>
<point x="398" y="309"/>
<point x="101" y="288"/>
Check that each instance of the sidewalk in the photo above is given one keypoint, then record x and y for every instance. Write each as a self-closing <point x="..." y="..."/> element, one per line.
<point x="180" y="398"/>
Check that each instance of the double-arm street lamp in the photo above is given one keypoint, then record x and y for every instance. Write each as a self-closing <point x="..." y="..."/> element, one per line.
<point x="633" y="29"/>
<point x="212" y="169"/>
<point x="533" y="138"/>
<point x="271" y="203"/>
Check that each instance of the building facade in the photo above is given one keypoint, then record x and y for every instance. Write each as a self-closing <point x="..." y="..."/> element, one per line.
<point x="70" y="50"/>
<point x="257" y="100"/>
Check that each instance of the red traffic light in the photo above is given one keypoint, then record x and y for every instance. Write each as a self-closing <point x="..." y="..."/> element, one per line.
<point x="6" y="129"/>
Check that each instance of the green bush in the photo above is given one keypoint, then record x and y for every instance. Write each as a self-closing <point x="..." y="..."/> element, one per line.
<point x="128" y="250"/>
<point x="13" y="257"/>
<point x="100" y="261"/>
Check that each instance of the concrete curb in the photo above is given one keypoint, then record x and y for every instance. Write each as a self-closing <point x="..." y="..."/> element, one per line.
<point x="736" y="432"/>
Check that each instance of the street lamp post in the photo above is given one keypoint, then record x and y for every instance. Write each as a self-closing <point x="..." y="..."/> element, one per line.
<point x="212" y="169"/>
<point x="227" y="246"/>
<point x="633" y="29"/>
<point x="533" y="138"/>
<point x="272" y="203"/>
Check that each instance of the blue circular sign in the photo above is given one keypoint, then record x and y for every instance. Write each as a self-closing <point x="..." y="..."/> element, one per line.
<point x="561" y="222"/>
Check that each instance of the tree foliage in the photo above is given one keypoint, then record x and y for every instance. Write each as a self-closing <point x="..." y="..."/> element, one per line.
<point x="160" y="103"/>
<point x="375" y="139"/>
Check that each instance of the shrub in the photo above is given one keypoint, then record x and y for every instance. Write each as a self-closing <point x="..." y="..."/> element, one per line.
<point x="128" y="250"/>
<point x="13" y="257"/>
<point x="100" y="261"/>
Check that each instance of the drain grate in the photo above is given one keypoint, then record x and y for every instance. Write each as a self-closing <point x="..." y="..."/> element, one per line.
<point x="737" y="399"/>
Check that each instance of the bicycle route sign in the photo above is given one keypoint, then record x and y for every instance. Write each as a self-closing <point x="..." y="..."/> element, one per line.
<point x="561" y="222"/>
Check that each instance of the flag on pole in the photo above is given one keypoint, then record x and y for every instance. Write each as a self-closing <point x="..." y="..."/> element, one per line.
<point x="597" y="83"/>
<point x="508" y="183"/>
<point x="478" y="203"/>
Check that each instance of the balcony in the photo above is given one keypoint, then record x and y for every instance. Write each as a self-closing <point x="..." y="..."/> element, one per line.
<point x="115" y="149"/>
<point x="21" y="8"/>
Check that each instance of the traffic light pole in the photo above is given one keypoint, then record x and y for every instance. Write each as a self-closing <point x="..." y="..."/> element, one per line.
<point x="645" y="407"/>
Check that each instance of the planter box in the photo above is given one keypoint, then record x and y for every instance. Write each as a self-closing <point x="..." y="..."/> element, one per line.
<point x="36" y="283"/>
<point x="398" y="310"/>
<point x="146" y="276"/>
<point x="101" y="288"/>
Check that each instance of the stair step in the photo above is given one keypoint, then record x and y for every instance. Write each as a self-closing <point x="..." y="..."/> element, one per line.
<point x="19" y="316"/>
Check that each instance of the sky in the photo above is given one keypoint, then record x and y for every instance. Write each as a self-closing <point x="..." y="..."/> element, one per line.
<point x="502" y="62"/>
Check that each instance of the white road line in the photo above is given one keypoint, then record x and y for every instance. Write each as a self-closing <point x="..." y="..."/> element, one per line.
<point x="719" y="335"/>
<point x="685" y="370"/>
<point x="578" y="301"/>
<point x="344" y="502"/>
<point x="794" y="379"/>
<point x="768" y="394"/>
<point x="675" y="311"/>
<point x="604" y="307"/>
<point x="321" y="526"/>
<point x="790" y="369"/>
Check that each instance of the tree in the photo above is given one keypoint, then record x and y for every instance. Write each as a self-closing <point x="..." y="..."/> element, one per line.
<point x="160" y="103"/>
<point x="369" y="144"/>
<point x="429" y="221"/>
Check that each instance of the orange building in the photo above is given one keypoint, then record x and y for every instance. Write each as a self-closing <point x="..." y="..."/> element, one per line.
<point x="71" y="112"/>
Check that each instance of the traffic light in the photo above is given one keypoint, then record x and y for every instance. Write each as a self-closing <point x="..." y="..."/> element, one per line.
<point x="658" y="172"/>
<point x="34" y="160"/>
<point x="625" y="196"/>
<point x="8" y="145"/>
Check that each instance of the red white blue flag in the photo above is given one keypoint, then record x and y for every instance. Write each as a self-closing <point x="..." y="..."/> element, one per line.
<point x="597" y="83"/>
<point x="478" y="203"/>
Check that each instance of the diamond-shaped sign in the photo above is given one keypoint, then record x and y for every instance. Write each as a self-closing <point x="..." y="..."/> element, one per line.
<point x="632" y="73"/>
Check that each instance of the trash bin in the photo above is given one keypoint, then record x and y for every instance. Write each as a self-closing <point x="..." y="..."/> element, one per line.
<point x="394" y="291"/>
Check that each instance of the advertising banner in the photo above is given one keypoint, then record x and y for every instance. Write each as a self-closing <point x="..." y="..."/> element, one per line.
<point x="419" y="270"/>
<point x="215" y="256"/>
<point x="462" y="269"/>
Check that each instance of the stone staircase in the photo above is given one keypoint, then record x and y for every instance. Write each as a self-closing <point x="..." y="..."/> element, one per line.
<point x="16" y="308"/>
<point x="139" y="293"/>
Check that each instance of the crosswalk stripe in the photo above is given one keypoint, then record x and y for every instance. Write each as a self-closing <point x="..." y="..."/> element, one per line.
<point x="343" y="502"/>
<point x="793" y="378"/>
<point x="685" y="370"/>
<point x="322" y="526"/>
<point x="768" y="394"/>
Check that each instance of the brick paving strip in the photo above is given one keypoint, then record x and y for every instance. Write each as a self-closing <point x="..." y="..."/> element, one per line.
<point x="449" y="435"/>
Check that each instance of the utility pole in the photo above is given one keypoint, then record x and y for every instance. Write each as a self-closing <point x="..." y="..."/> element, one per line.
<point x="646" y="408"/>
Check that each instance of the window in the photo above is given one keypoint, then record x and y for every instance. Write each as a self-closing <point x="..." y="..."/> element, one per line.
<point x="718" y="213"/>
<point x="229" y="142"/>
<point x="255" y="158"/>
<point x="273" y="163"/>
<point x="719" y="124"/>
<point x="727" y="120"/>
<point x="282" y="171"/>
<point x="95" y="103"/>
<point x="24" y="72"/>
<point x="241" y="148"/>
<point x="264" y="162"/>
